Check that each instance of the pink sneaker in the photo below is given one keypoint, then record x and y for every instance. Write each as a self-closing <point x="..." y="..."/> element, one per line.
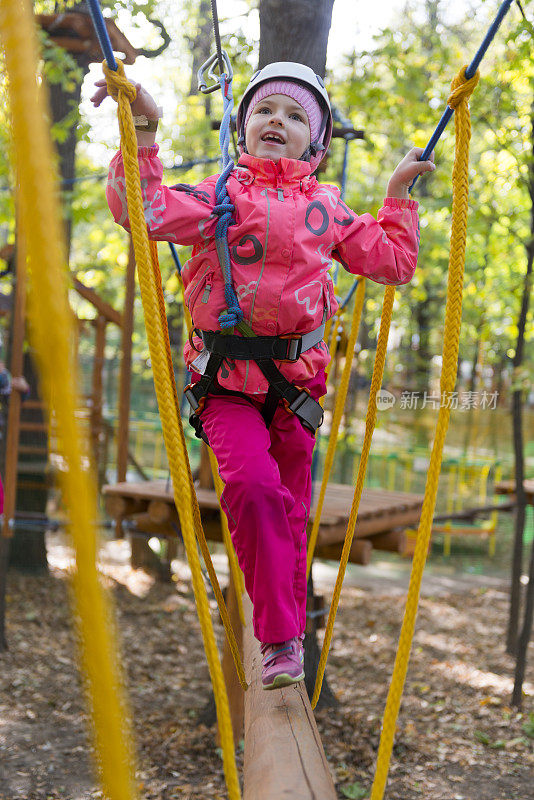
<point x="283" y="663"/>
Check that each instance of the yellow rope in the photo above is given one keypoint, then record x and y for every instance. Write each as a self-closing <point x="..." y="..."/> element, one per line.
<point x="237" y="575"/>
<point x="52" y="332"/>
<point x="124" y="92"/>
<point x="341" y="396"/>
<point x="370" y="420"/>
<point x="199" y="531"/>
<point x="461" y="91"/>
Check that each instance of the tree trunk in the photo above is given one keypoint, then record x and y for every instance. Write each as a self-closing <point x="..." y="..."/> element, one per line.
<point x="513" y="644"/>
<point x="423" y="353"/>
<point x="517" y="561"/>
<point x="295" y="30"/>
<point x="520" y="513"/>
<point x="62" y="102"/>
<point x="524" y="638"/>
<point x="201" y="44"/>
<point x="312" y="654"/>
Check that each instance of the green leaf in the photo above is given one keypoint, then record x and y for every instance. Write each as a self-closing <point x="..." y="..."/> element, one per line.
<point x="354" y="791"/>
<point x="480" y="736"/>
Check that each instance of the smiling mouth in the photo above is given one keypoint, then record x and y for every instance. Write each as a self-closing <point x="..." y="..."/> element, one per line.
<point x="272" y="138"/>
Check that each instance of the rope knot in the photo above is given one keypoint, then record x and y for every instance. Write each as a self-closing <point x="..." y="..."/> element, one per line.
<point x="118" y="82"/>
<point x="231" y="317"/>
<point x="462" y="88"/>
<point x="224" y="208"/>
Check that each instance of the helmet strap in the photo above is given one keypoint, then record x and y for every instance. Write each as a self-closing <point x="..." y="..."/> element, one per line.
<point x="315" y="148"/>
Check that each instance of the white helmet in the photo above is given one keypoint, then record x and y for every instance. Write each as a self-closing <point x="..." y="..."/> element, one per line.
<point x="301" y="74"/>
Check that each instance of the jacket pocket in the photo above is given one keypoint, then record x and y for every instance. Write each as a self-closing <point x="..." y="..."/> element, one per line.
<point x="330" y="303"/>
<point x="199" y="289"/>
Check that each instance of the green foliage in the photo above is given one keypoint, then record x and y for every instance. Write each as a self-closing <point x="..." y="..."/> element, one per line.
<point x="396" y="92"/>
<point x="7" y="210"/>
<point x="354" y="791"/>
<point x="528" y="726"/>
<point x="482" y="737"/>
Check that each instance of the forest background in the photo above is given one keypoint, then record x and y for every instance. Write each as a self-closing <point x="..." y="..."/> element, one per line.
<point x="393" y="85"/>
<point x="390" y="76"/>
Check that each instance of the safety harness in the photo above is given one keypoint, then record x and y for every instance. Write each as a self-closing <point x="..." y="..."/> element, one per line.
<point x="262" y="350"/>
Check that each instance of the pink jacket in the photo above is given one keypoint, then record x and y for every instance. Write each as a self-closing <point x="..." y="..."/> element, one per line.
<point x="288" y="227"/>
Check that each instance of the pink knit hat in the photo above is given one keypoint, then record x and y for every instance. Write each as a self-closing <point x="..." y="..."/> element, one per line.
<point x="304" y="97"/>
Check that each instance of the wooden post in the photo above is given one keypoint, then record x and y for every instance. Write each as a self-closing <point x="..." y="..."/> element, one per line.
<point x="205" y="477"/>
<point x="13" y="419"/>
<point x="233" y="687"/>
<point x="126" y="368"/>
<point x="96" y="392"/>
<point x="284" y="756"/>
<point x="360" y="551"/>
<point x="12" y="433"/>
<point x="393" y="542"/>
<point x="125" y="375"/>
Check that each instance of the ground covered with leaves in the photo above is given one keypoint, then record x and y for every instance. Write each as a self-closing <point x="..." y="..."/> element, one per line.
<point x="457" y="737"/>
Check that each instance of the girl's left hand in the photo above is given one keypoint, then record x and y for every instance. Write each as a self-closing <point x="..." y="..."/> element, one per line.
<point x="405" y="172"/>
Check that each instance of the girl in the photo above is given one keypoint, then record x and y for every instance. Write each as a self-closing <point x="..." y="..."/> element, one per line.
<point x="256" y="399"/>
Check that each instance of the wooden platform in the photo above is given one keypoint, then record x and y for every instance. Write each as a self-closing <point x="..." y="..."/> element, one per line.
<point x="381" y="512"/>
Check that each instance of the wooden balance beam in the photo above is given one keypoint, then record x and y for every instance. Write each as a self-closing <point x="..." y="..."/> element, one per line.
<point x="284" y="756"/>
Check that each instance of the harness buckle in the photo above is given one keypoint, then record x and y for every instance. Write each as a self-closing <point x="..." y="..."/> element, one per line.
<point x="196" y="403"/>
<point x="307" y="409"/>
<point x="294" y="347"/>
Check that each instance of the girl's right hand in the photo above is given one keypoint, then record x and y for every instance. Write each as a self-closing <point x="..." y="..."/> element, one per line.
<point x="143" y="105"/>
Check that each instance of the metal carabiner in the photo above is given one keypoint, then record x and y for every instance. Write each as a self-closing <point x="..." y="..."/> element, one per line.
<point x="208" y="66"/>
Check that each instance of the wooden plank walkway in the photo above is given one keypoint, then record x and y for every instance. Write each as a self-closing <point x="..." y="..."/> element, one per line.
<point x="151" y="504"/>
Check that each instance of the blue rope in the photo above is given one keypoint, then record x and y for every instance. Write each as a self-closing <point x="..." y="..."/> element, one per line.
<point x="469" y="73"/>
<point x="102" y="33"/>
<point x="351" y="291"/>
<point x="175" y="258"/>
<point x="225" y="209"/>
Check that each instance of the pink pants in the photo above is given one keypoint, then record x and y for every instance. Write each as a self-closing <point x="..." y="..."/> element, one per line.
<point x="267" y="476"/>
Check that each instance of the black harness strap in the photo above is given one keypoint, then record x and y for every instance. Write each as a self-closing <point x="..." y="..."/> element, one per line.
<point x="272" y="401"/>
<point x="196" y="394"/>
<point x="297" y="401"/>
<point x="253" y="348"/>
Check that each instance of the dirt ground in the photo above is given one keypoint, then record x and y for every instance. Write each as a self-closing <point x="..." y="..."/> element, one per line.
<point x="457" y="737"/>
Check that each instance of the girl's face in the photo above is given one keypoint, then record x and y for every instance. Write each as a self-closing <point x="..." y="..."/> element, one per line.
<point x="278" y="127"/>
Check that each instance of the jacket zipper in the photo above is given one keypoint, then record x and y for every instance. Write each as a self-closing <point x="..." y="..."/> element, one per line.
<point x="207" y="291"/>
<point x="198" y="287"/>
<point x="279" y="189"/>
